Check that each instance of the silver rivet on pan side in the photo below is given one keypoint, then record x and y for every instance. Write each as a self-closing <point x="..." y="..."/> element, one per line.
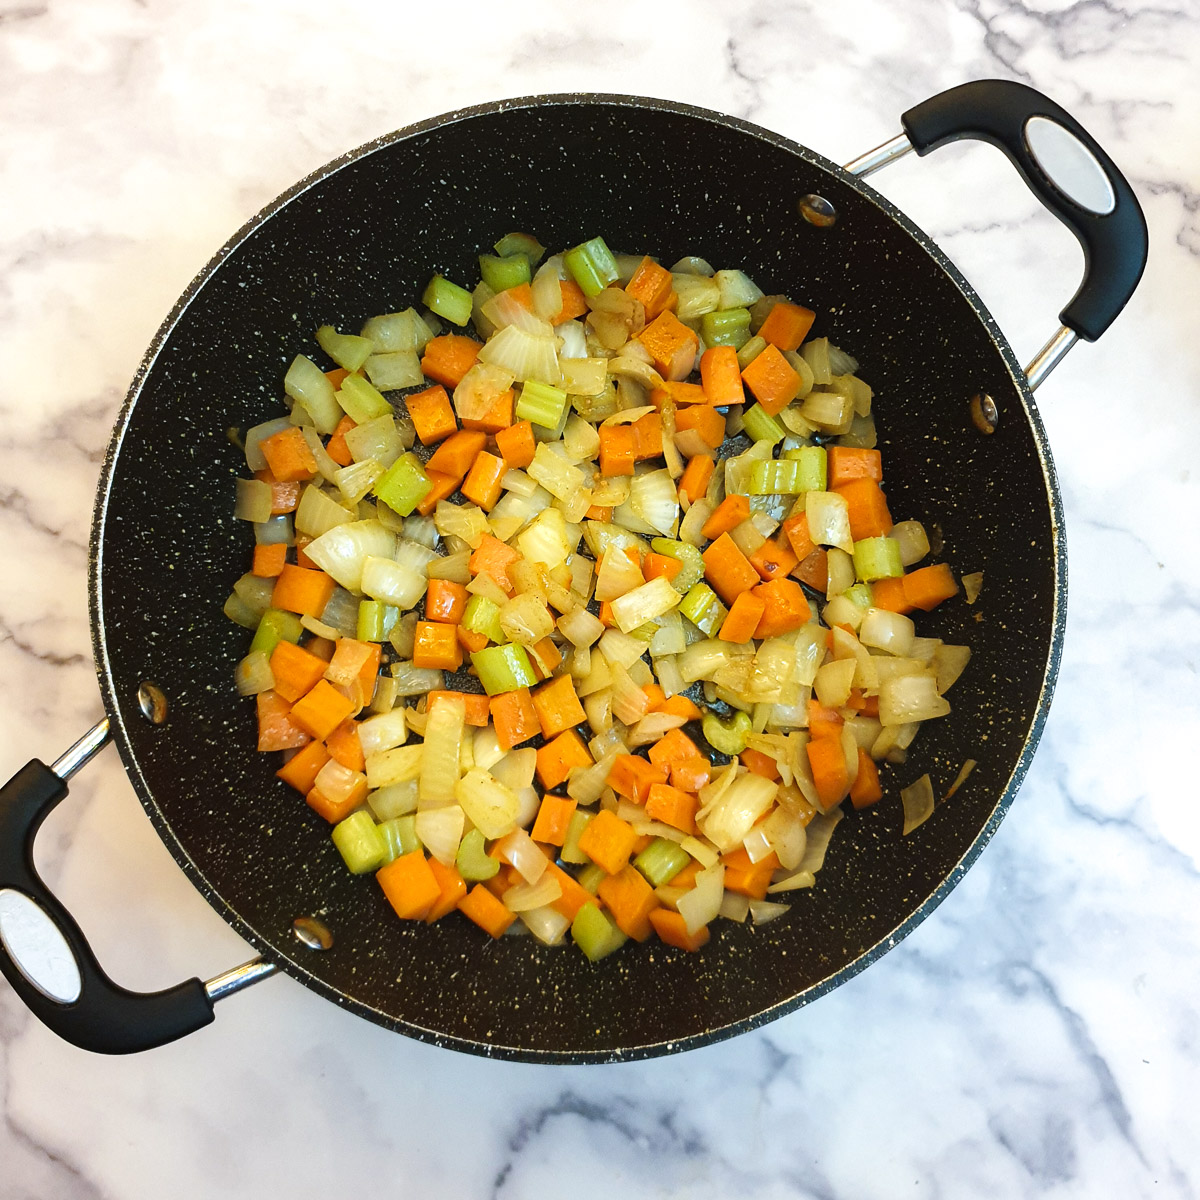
<point x="816" y="210"/>
<point x="312" y="933"/>
<point x="152" y="702"/>
<point x="985" y="416"/>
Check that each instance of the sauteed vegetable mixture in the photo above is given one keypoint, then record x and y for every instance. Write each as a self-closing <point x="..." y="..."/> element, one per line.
<point x="593" y="624"/>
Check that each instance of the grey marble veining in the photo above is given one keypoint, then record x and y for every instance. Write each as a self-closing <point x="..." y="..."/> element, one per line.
<point x="1038" y="1035"/>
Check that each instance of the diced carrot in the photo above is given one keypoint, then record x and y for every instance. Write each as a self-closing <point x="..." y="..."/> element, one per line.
<point x="288" y="455"/>
<point x="672" y="346"/>
<point x="435" y="647"/>
<point x="814" y="570"/>
<point x="452" y="888"/>
<point x="828" y="764"/>
<point x="721" y="376"/>
<point x="337" y="376"/>
<point x="867" y="508"/>
<point x="284" y="496"/>
<point x="498" y="417"/>
<point x="772" y="379"/>
<point x="493" y="557"/>
<point x="749" y="878"/>
<point x="334" y="811"/>
<point x="787" y="325"/>
<point x="744" y="615"/>
<point x="889" y="594"/>
<point x="844" y="463"/>
<point x="446" y="601"/>
<point x="693" y="483"/>
<point x="344" y="746"/>
<point x="574" y="302"/>
<point x="705" y="420"/>
<point x="758" y="763"/>
<point x="486" y="910"/>
<point x="823" y="722"/>
<point x="927" y="587"/>
<point x="653" y="286"/>
<point x="302" y="559"/>
<point x="598" y="512"/>
<point x="727" y="569"/>
<point x="457" y="454"/>
<point x="558" y="706"/>
<point x="773" y="560"/>
<point x="654" y="696"/>
<point x="679" y="393"/>
<point x="681" y="706"/>
<point x="296" y="670"/>
<point x="516" y="444"/>
<point x="336" y="447"/>
<point x="276" y="728"/>
<point x="554" y="815"/>
<point x="431" y="414"/>
<point x="522" y="293"/>
<point x="656" y="564"/>
<point x="865" y="789"/>
<point x="632" y="776"/>
<point x="555" y="760"/>
<point x="672" y="806"/>
<point x="482" y="485"/>
<point x="301" y="769"/>
<point x="647" y="432"/>
<point x="605" y="615"/>
<point x="444" y="486"/>
<point x="321" y="710"/>
<point x="795" y="529"/>
<point x="472" y="643"/>
<point x="302" y="590"/>
<point x="368" y="673"/>
<point x="677" y="753"/>
<point x="630" y="899"/>
<point x="269" y="560"/>
<point x="729" y="514"/>
<point x="515" y="718"/>
<point x="672" y="929"/>
<point x="786" y="607"/>
<point x="410" y="885"/>
<point x="448" y="358"/>
<point x="476" y="704"/>
<point x="544" y="657"/>
<point x="574" y="895"/>
<point x="618" y="449"/>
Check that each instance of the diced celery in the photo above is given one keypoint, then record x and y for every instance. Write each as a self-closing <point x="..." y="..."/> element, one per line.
<point x="703" y="609"/>
<point x="521" y="243"/>
<point x="448" y="300"/>
<point x="662" y="860"/>
<point x="727" y="737"/>
<point x="761" y="426"/>
<point x="775" y="477"/>
<point x="729" y="327"/>
<point x="483" y="616"/>
<point x="689" y="555"/>
<point x="592" y="266"/>
<point x="571" y="853"/>
<point x="500" y="274"/>
<point x="595" y="933"/>
<point x="591" y="877"/>
<point x="276" y="626"/>
<point x="860" y="594"/>
<point x="361" y="845"/>
<point x="404" y="484"/>
<point x="877" y="558"/>
<point x="361" y="401"/>
<point x="542" y="404"/>
<point x="348" y="350"/>
<point x="813" y="468"/>
<point x="399" y="836"/>
<point x="503" y="668"/>
<point x="473" y="862"/>
<point x="375" y="620"/>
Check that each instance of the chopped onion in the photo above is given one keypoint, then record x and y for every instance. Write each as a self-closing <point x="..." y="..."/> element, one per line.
<point x="486" y="749"/>
<point x="787" y="836"/>
<point x="253" y="500"/>
<point x="949" y="662"/>
<point x="912" y="540"/>
<point x="257" y="434"/>
<point x="342" y="550"/>
<point x="644" y="603"/>
<point x="617" y="574"/>
<point x="461" y="520"/>
<point x="891" y="632"/>
<point x="654" y="500"/>
<point x="972" y="586"/>
<point x="555" y="473"/>
<point x="546" y="924"/>
<point x="651" y="728"/>
<point x="828" y="520"/>
<point x="840" y="566"/>
<point x="519" y="850"/>
<point x="397" y="331"/>
<point x="907" y="698"/>
<point x="697" y="294"/>
<point x="440" y="760"/>
<point x="524" y="896"/>
<point x="526" y="355"/>
<point x="833" y="682"/>
<point x="392" y="583"/>
<point x="253" y="674"/>
<point x="383" y="732"/>
<point x="440" y="831"/>
<point x="395" y="800"/>
<point x="585" y="784"/>
<point x="762" y="911"/>
<point x="490" y="805"/>
<point x="526" y="620"/>
<point x="917" y="799"/>
<point x="703" y="903"/>
<point x="728" y="821"/>
<point x="580" y="627"/>
<point x="392" y="371"/>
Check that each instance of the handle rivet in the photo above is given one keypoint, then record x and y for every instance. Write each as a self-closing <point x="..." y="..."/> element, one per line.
<point x="152" y="702"/>
<point x="816" y="210"/>
<point x="312" y="933"/>
<point x="985" y="416"/>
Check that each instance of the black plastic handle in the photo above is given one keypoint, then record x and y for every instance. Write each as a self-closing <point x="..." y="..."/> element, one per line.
<point x="106" y="1018"/>
<point x="1114" y="244"/>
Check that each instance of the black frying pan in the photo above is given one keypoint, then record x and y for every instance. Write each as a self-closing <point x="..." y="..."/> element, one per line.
<point x="362" y="236"/>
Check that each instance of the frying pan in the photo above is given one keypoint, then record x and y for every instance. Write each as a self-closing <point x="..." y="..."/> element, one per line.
<point x="361" y="236"/>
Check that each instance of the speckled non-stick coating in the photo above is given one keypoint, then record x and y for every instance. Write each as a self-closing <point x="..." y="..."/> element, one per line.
<point x="362" y="237"/>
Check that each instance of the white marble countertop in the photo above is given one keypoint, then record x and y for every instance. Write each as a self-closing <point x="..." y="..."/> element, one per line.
<point x="1038" y="1035"/>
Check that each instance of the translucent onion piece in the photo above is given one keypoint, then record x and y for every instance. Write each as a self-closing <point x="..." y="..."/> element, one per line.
<point x="580" y="627"/>
<point x="555" y="473"/>
<point x="253" y="500"/>
<point x="891" y="632"/>
<point x="734" y="907"/>
<point x="912" y="539"/>
<point x="972" y="586"/>
<point x="391" y="582"/>
<point x="491" y="805"/>
<point x="654" y="500"/>
<point x="917" y="799"/>
<point x="394" y="766"/>
<point x="379" y="438"/>
<point x="393" y="370"/>
<point x="525" y="620"/>
<point x="786" y="833"/>
<point x="546" y="540"/>
<point x="524" y="896"/>
<point x="762" y="911"/>
<point x="526" y="355"/>
<point x="395" y="800"/>
<point x="828" y="520"/>
<point x="253" y="674"/>
<point x="439" y="762"/>
<point x="907" y="698"/>
<point x="519" y="850"/>
<point x="727" y="822"/>
<point x="702" y="904"/>
<point x="394" y="332"/>
<point x="440" y="831"/>
<point x="461" y="520"/>
<point x="383" y="732"/>
<point x="258" y="433"/>
<point x="644" y="603"/>
<point x="516" y="768"/>
<point x="617" y="574"/>
<point x="546" y="924"/>
<point x="949" y="662"/>
<point x="341" y="551"/>
<point x="833" y="682"/>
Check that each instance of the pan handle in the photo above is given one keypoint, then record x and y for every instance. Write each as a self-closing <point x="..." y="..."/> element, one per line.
<point x="1064" y="167"/>
<point x="74" y="997"/>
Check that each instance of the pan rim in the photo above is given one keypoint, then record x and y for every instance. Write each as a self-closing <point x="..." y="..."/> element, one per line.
<point x="116" y="707"/>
